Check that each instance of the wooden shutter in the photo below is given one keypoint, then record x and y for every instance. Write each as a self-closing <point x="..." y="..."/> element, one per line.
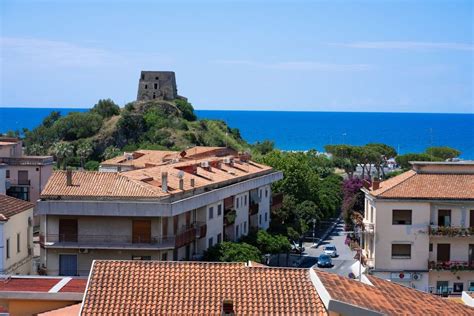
<point x="141" y="231"/>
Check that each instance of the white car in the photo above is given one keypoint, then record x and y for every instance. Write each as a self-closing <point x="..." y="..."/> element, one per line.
<point x="331" y="251"/>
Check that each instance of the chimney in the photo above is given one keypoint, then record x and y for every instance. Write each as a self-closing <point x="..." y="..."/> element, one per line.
<point x="192" y="182"/>
<point x="228" y="307"/>
<point x="164" y="181"/>
<point x="366" y="184"/>
<point x="375" y="184"/>
<point x="181" y="184"/>
<point x="69" y="177"/>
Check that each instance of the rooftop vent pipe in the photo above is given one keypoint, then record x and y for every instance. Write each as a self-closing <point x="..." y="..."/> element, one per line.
<point x="164" y="181"/>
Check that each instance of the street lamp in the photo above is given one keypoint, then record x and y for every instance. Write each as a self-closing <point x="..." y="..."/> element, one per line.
<point x="314" y="231"/>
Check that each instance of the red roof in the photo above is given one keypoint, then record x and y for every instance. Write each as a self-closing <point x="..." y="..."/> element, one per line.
<point x="10" y="206"/>
<point x="42" y="284"/>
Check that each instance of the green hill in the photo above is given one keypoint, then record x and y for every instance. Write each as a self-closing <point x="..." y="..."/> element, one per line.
<point x="107" y="129"/>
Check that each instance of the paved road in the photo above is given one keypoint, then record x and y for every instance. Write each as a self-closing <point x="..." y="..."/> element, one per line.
<point x="341" y="264"/>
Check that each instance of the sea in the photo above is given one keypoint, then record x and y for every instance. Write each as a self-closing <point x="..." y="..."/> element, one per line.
<point x="406" y="132"/>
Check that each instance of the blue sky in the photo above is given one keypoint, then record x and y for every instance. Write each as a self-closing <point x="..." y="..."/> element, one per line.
<point x="389" y="56"/>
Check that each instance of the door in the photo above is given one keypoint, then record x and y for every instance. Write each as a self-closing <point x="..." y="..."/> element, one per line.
<point x="141" y="231"/>
<point x="68" y="230"/>
<point x="444" y="252"/>
<point x="471" y="218"/>
<point x="68" y="265"/>
<point x="444" y="217"/>
<point x="471" y="255"/>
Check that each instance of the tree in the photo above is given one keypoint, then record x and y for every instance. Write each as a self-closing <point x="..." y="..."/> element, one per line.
<point x="35" y="150"/>
<point x="273" y="244"/>
<point x="92" y="165"/>
<point x="232" y="252"/>
<point x="49" y="120"/>
<point x="111" y="152"/>
<point x="84" y="150"/>
<point x="443" y="153"/>
<point x="264" y="147"/>
<point x="62" y="151"/>
<point x="346" y="157"/>
<point x="77" y="125"/>
<point x="404" y="160"/>
<point x="186" y="109"/>
<point x="381" y="153"/>
<point x="106" y="108"/>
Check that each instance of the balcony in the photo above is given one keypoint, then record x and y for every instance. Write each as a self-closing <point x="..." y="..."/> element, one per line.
<point x="87" y="241"/>
<point x="27" y="160"/>
<point x="369" y="228"/>
<point x="450" y="231"/>
<point x="190" y="233"/>
<point x="277" y="201"/>
<point x="229" y="203"/>
<point x="451" y="265"/>
<point x="253" y="209"/>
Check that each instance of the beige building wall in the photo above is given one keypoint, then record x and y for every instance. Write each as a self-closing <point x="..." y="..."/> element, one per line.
<point x="38" y="176"/>
<point x="19" y="261"/>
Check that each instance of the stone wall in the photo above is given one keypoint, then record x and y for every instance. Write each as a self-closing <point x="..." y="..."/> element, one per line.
<point x="157" y="85"/>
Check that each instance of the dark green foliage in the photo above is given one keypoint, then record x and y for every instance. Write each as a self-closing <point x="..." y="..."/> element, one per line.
<point x="266" y="242"/>
<point x="186" y="109"/>
<point x="130" y="128"/>
<point x="106" y="108"/>
<point x="49" y="120"/>
<point x="77" y="125"/>
<point x="443" y="153"/>
<point x="264" y="147"/>
<point x="232" y="252"/>
<point x="111" y="152"/>
<point x="403" y="160"/>
<point x="92" y="165"/>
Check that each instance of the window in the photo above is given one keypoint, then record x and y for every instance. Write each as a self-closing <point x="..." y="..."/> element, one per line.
<point x="245" y="199"/>
<point x="260" y="219"/>
<point x="260" y="193"/>
<point x="18" y="247"/>
<point x="431" y="248"/>
<point x="22" y="193"/>
<point x="156" y="78"/>
<point x="219" y="238"/>
<point x="371" y="214"/>
<point x="8" y="248"/>
<point x="146" y="86"/>
<point x="442" y="286"/>
<point x="470" y="286"/>
<point x="266" y="217"/>
<point x="219" y="210"/>
<point x="471" y="217"/>
<point x="458" y="287"/>
<point x="245" y="227"/>
<point x="23" y="177"/>
<point x="8" y="174"/>
<point x="401" y="217"/>
<point x="155" y="86"/>
<point x="211" y="212"/>
<point x="164" y="256"/>
<point x="266" y="192"/>
<point x="211" y="242"/>
<point x="141" y="257"/>
<point x="237" y="199"/>
<point x="237" y="231"/>
<point x="444" y="217"/>
<point x="401" y="251"/>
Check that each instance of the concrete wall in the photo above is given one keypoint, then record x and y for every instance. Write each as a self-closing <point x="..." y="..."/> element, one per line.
<point x="241" y="205"/>
<point x="38" y="176"/>
<point x="464" y="277"/>
<point x="387" y="234"/>
<point x="3" y="171"/>
<point x="19" y="261"/>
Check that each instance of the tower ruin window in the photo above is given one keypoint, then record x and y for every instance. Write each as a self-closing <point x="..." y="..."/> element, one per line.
<point x="156" y="78"/>
<point x="156" y="86"/>
<point x="154" y="96"/>
<point x="143" y="77"/>
<point x="146" y="86"/>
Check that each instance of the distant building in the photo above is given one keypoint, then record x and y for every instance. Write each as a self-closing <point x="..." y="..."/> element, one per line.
<point x="211" y="288"/>
<point x="30" y="295"/>
<point x="419" y="227"/>
<point x="167" y="206"/>
<point x="159" y="85"/>
<point x="23" y="177"/>
<point x="16" y="235"/>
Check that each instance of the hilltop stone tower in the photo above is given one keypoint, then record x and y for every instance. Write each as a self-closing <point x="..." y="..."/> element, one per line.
<point x="157" y="85"/>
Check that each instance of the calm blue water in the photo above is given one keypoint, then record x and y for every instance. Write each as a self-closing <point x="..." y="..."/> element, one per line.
<point x="407" y="132"/>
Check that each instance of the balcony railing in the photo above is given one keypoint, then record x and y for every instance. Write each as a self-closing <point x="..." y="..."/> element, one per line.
<point x="451" y="265"/>
<point x="188" y="234"/>
<point x="369" y="228"/>
<point x="27" y="160"/>
<point x="451" y="231"/>
<point x="105" y="241"/>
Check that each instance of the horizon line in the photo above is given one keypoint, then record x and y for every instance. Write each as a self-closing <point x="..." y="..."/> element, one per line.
<point x="256" y="110"/>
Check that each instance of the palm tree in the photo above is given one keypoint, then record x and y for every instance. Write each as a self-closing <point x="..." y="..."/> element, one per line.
<point x="62" y="151"/>
<point x="35" y="150"/>
<point x="84" y="150"/>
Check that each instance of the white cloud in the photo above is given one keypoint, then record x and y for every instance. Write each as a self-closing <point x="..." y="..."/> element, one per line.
<point x="408" y="45"/>
<point x="298" y="65"/>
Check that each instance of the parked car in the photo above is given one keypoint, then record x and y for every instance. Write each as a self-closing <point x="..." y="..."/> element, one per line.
<point x="295" y="248"/>
<point x="324" y="261"/>
<point x="330" y="250"/>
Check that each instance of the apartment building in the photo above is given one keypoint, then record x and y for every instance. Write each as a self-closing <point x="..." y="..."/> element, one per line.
<point x="16" y="235"/>
<point x="230" y="288"/>
<point x="419" y="227"/>
<point x="25" y="176"/>
<point x="161" y="211"/>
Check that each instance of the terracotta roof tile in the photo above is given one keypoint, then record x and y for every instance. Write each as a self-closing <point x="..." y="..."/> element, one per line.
<point x="198" y="288"/>
<point x="388" y="297"/>
<point x="65" y="311"/>
<point x="10" y="206"/>
<point x="41" y="284"/>
<point x="412" y="185"/>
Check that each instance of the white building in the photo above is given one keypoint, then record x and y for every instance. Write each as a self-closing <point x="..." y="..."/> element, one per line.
<point x="171" y="210"/>
<point x="16" y="235"/>
<point x="419" y="227"/>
